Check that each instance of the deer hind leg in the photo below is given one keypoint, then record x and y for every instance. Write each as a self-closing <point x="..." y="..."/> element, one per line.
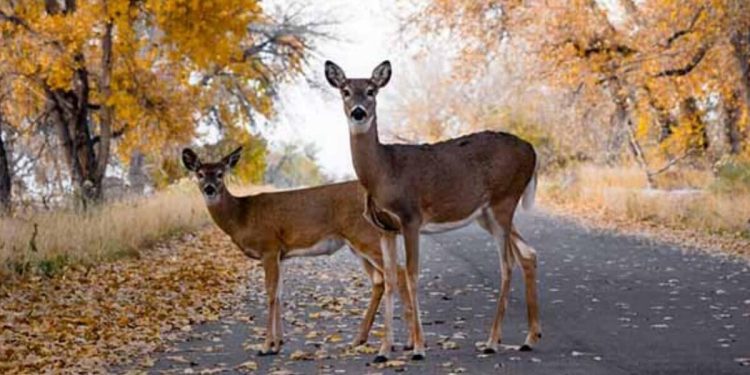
<point x="390" y="264"/>
<point x="376" y="278"/>
<point x="501" y="217"/>
<point x="526" y="257"/>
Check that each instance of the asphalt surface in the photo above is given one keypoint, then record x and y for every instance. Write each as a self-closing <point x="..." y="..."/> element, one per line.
<point x="610" y="304"/>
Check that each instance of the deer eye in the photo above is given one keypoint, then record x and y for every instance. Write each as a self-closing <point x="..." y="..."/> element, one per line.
<point x="370" y="92"/>
<point x="219" y="174"/>
<point x="346" y="93"/>
<point x="201" y="175"/>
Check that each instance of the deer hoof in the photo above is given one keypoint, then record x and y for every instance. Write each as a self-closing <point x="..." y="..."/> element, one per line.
<point x="357" y="343"/>
<point x="264" y="353"/>
<point x="489" y="350"/>
<point x="380" y="359"/>
<point x="417" y="357"/>
<point x="408" y="347"/>
<point x="524" y="348"/>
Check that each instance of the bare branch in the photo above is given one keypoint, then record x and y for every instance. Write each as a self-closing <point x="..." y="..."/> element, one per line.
<point x="672" y="162"/>
<point x="685" y="70"/>
<point x="680" y="33"/>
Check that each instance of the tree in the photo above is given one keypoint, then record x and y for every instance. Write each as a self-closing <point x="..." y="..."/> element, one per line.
<point x="143" y="72"/>
<point x="657" y="63"/>
<point x="5" y="186"/>
<point x="293" y="166"/>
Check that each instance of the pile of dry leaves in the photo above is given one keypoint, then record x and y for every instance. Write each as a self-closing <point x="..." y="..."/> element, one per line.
<point x="86" y="320"/>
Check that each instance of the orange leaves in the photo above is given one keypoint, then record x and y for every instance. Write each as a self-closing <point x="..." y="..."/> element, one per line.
<point x="173" y="62"/>
<point x="87" y="319"/>
<point x="211" y="33"/>
<point x="645" y="58"/>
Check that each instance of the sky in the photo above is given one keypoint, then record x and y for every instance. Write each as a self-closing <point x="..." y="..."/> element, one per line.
<point x="367" y="33"/>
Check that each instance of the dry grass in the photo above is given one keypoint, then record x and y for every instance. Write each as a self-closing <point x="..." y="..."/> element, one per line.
<point x="685" y="200"/>
<point x="67" y="238"/>
<point x="113" y="231"/>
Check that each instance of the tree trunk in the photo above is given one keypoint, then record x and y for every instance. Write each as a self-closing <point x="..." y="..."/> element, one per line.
<point x="106" y="115"/>
<point x="623" y="123"/>
<point x="5" y="186"/>
<point x="741" y="44"/>
<point x="73" y="121"/>
<point x="733" y="111"/>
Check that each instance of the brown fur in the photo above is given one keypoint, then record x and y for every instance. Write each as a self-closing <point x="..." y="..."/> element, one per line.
<point x="271" y="226"/>
<point x="412" y="187"/>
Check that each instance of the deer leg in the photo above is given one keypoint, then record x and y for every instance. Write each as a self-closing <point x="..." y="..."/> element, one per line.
<point x="411" y="242"/>
<point x="526" y="258"/>
<point x="388" y="245"/>
<point x="278" y="322"/>
<point x="500" y="231"/>
<point x="376" y="278"/>
<point x="403" y="291"/>
<point x="271" y="269"/>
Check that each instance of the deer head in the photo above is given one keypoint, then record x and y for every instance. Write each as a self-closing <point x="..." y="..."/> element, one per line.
<point x="358" y="95"/>
<point x="210" y="175"/>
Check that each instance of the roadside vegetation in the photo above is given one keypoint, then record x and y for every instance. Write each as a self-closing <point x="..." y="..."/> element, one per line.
<point x="699" y="201"/>
<point x="639" y="111"/>
<point x="93" y="119"/>
<point x="42" y="242"/>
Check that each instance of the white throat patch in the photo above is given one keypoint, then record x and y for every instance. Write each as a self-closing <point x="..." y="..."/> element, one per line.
<point x="359" y="127"/>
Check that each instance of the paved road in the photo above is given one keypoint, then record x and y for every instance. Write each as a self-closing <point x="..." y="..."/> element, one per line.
<point x="611" y="304"/>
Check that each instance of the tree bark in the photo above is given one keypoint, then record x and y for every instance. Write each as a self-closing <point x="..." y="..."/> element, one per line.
<point x="87" y="155"/>
<point x="732" y="123"/>
<point x="623" y="123"/>
<point x="5" y="186"/>
<point x="106" y="115"/>
<point x="741" y="44"/>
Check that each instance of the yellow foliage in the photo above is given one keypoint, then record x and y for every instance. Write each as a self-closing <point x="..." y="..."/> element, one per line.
<point x="661" y="53"/>
<point x="161" y="50"/>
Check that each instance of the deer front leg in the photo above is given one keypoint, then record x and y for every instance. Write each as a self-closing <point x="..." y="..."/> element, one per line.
<point x="403" y="291"/>
<point x="411" y="242"/>
<point x="376" y="278"/>
<point x="388" y="246"/>
<point x="504" y="251"/>
<point x="272" y="277"/>
<point x="278" y="322"/>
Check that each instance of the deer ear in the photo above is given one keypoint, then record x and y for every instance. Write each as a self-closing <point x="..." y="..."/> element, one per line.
<point x="231" y="160"/>
<point x="190" y="160"/>
<point x="382" y="74"/>
<point x="335" y="75"/>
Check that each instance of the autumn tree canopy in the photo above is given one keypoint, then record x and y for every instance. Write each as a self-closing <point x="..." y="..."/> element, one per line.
<point x="673" y="75"/>
<point x="140" y="74"/>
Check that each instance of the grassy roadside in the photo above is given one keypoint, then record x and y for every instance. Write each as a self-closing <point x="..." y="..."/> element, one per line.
<point x="67" y="306"/>
<point x="689" y="206"/>
<point x="48" y="242"/>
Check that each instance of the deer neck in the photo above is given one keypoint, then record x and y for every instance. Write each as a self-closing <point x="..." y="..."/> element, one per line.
<point x="368" y="155"/>
<point x="226" y="211"/>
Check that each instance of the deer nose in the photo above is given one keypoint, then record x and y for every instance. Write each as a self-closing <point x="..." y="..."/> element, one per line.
<point x="209" y="190"/>
<point x="358" y="114"/>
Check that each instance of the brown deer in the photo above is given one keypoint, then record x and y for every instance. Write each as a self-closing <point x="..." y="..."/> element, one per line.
<point x="273" y="227"/>
<point x="442" y="186"/>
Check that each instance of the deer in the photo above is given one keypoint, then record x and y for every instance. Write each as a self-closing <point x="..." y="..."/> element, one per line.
<point x="275" y="226"/>
<point x="428" y="188"/>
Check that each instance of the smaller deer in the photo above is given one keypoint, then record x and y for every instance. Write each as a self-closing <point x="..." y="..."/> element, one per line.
<point x="273" y="227"/>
